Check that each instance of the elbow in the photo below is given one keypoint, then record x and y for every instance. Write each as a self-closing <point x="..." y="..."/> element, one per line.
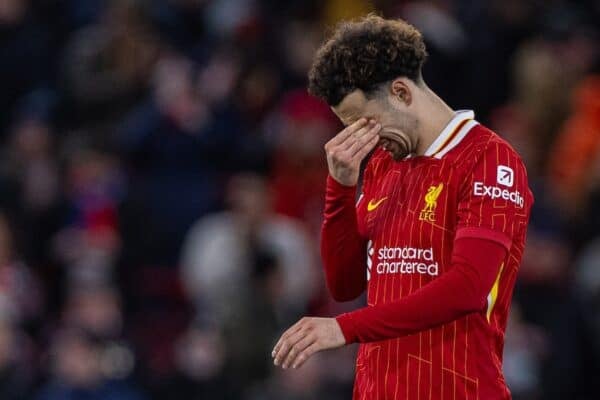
<point x="468" y="301"/>
<point x="473" y="303"/>
<point x="473" y="297"/>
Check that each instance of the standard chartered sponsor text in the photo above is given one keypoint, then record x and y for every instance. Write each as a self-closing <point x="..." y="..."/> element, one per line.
<point x="406" y="260"/>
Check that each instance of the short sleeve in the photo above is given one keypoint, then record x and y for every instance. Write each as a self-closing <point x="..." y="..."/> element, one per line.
<point x="495" y="199"/>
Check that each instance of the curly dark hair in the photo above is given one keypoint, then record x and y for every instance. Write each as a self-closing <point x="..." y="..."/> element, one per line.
<point x="363" y="54"/>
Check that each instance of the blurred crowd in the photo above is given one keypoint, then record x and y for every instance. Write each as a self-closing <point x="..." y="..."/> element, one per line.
<point x="162" y="180"/>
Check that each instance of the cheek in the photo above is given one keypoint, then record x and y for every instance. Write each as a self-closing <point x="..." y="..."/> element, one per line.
<point x="381" y="117"/>
<point x="391" y="119"/>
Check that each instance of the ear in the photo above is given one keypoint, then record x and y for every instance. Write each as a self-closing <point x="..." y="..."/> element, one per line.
<point x="401" y="91"/>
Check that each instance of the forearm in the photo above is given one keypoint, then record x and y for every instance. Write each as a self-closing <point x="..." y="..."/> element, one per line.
<point x="458" y="292"/>
<point x="343" y="250"/>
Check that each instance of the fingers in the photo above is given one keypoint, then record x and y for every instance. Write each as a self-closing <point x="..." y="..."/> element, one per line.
<point x="356" y="135"/>
<point x="366" y="149"/>
<point x="348" y="131"/>
<point x="305" y="354"/>
<point x="353" y="143"/>
<point x="364" y="140"/>
<point x="297" y="348"/>
<point x="287" y="345"/>
<point x="310" y="336"/>
<point x="291" y="330"/>
<point x="343" y="140"/>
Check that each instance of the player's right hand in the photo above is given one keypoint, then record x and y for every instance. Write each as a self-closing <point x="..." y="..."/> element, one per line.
<point x="348" y="148"/>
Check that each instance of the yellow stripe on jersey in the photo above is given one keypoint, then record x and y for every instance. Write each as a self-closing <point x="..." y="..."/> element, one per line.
<point x="493" y="295"/>
<point x="450" y="137"/>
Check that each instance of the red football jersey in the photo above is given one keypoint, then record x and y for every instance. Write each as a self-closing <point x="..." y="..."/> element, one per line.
<point x="469" y="183"/>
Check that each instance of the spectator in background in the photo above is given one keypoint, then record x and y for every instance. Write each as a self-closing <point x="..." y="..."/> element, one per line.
<point x="20" y="305"/>
<point x="574" y="334"/>
<point x="78" y="372"/>
<point x="89" y="241"/>
<point x="15" y="378"/>
<point x="545" y="271"/>
<point x="301" y="384"/>
<point x="20" y="290"/>
<point x="217" y="255"/>
<point x="299" y="43"/>
<point x="258" y="317"/>
<point x="199" y="367"/>
<point x="541" y="88"/>
<point x="587" y="293"/>
<point x="225" y="360"/>
<point x="524" y="350"/>
<point x="247" y="270"/>
<point x="96" y="310"/>
<point x="26" y="54"/>
<point x="298" y="130"/>
<point x="31" y="181"/>
<point x="179" y="143"/>
<point x="29" y="160"/>
<point x="575" y="153"/>
<point x="108" y="64"/>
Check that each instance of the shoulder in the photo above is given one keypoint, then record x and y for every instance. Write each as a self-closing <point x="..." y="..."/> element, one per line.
<point x="492" y="168"/>
<point x="484" y="146"/>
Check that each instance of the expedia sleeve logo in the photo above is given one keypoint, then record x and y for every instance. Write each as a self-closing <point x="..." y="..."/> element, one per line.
<point x="505" y="177"/>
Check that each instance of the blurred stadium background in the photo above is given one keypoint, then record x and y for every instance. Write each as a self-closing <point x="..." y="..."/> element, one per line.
<point x="162" y="177"/>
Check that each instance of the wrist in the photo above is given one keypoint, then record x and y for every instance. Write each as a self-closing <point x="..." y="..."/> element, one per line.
<point x="338" y="187"/>
<point x="348" y="327"/>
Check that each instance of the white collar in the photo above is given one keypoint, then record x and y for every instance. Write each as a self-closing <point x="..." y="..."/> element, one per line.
<point x="452" y="134"/>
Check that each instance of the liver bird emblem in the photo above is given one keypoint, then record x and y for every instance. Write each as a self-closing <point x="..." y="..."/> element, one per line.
<point x="431" y="197"/>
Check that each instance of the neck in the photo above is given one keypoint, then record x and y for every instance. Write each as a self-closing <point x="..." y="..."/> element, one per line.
<point x="433" y="118"/>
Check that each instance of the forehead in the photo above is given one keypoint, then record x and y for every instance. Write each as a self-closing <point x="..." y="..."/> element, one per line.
<point x="354" y="106"/>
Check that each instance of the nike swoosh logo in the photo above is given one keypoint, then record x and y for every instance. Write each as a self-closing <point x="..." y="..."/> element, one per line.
<point x="371" y="206"/>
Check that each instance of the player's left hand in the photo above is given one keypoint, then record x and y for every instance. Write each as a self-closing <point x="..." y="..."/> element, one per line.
<point x="305" y="338"/>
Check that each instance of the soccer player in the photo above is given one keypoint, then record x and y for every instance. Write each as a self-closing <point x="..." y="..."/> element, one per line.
<point x="437" y="234"/>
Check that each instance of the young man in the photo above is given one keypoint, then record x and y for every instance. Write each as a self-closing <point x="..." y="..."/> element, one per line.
<point x="437" y="234"/>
